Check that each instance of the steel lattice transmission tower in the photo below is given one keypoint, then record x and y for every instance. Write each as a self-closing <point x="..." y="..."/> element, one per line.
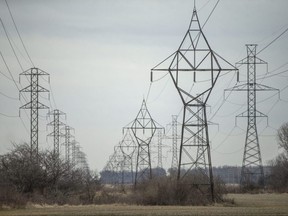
<point x="128" y="148"/>
<point x="117" y="161"/>
<point x="159" y="148"/>
<point x="174" y="164"/>
<point x="67" y="143"/>
<point x="74" y="153"/>
<point x="194" y="61"/>
<point x="143" y="129"/>
<point x="56" y="134"/>
<point x="34" y="105"/>
<point x="252" y="169"/>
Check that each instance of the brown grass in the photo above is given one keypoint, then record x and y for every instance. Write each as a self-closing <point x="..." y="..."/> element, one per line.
<point x="245" y="204"/>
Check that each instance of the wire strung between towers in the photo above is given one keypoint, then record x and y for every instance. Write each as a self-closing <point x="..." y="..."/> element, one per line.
<point x="11" y="15"/>
<point x="273" y="41"/>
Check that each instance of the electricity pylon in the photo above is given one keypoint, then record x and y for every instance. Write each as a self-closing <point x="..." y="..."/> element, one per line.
<point x="174" y="164"/>
<point x="194" y="61"/>
<point x="115" y="165"/>
<point x="67" y="144"/>
<point x="252" y="168"/>
<point x="128" y="148"/>
<point x="159" y="148"/>
<point x="56" y="134"/>
<point x="143" y="129"/>
<point x="34" y="105"/>
<point x="74" y="153"/>
<point x="81" y="160"/>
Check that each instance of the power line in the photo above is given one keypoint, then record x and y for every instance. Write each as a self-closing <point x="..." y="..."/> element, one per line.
<point x="24" y="124"/>
<point x="6" y="76"/>
<point x="7" y="96"/>
<point x="19" y="33"/>
<point x="53" y="98"/>
<point x="210" y="13"/>
<point x="267" y="76"/>
<point x="273" y="41"/>
<point x="9" y="69"/>
<point x="9" y="116"/>
<point x="6" y="33"/>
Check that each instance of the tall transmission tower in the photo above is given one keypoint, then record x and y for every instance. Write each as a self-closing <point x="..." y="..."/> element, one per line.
<point x="56" y="134"/>
<point x="174" y="164"/>
<point x="116" y="164"/>
<point x="199" y="140"/>
<point x="34" y="105"/>
<point x="67" y="143"/>
<point x="194" y="61"/>
<point x="159" y="152"/>
<point x="74" y="153"/>
<point x="143" y="129"/>
<point x="252" y="168"/>
<point x="80" y="161"/>
<point x="128" y="148"/>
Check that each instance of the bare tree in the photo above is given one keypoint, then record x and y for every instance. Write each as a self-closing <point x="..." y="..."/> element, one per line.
<point x="278" y="178"/>
<point x="282" y="137"/>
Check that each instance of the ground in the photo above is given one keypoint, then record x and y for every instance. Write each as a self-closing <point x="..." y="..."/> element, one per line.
<point x="245" y="204"/>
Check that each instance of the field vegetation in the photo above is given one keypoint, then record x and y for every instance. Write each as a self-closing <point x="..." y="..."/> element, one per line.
<point x="244" y="205"/>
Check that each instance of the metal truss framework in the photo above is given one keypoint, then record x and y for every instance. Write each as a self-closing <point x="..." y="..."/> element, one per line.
<point x="128" y="148"/>
<point x="252" y="168"/>
<point x="74" y="153"/>
<point x="159" y="148"/>
<point x="194" y="60"/>
<point x="56" y="134"/>
<point x="174" y="164"/>
<point x="68" y="144"/>
<point x="80" y="161"/>
<point x="34" y="105"/>
<point x="115" y="165"/>
<point x="143" y="129"/>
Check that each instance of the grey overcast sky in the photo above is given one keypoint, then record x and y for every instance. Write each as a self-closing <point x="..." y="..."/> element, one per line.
<point x="99" y="55"/>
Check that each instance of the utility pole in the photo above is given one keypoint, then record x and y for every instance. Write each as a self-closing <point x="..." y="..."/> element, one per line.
<point x="34" y="105"/>
<point x="194" y="61"/>
<point x="56" y="134"/>
<point x="252" y="168"/>
<point x="143" y="129"/>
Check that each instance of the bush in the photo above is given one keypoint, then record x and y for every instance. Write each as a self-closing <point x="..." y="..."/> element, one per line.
<point x="167" y="191"/>
<point x="10" y="197"/>
<point x="45" y="179"/>
<point x="278" y="178"/>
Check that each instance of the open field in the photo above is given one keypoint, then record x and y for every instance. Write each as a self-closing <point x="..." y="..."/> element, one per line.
<point x="245" y="204"/>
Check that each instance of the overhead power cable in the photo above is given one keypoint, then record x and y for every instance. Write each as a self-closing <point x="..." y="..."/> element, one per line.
<point x="9" y="116"/>
<point x="9" y="69"/>
<point x="6" y="33"/>
<point x="273" y="41"/>
<point x="7" y="96"/>
<point x="6" y="76"/>
<point x="11" y="15"/>
<point x="271" y="75"/>
<point x="210" y="13"/>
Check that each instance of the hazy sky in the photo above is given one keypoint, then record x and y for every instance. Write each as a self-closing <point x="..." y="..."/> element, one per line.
<point x="99" y="55"/>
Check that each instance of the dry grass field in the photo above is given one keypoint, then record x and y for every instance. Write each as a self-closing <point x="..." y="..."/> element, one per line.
<point x="245" y="204"/>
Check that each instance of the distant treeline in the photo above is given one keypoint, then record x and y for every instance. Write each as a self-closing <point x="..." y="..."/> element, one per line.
<point x="228" y="174"/>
